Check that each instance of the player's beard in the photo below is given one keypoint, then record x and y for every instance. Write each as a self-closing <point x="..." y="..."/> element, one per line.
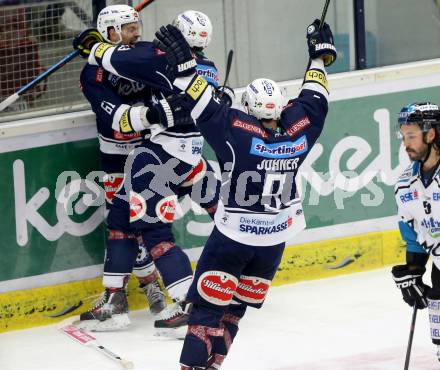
<point x="418" y="155"/>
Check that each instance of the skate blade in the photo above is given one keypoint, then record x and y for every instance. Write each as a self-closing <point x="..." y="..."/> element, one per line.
<point x="173" y="333"/>
<point x="116" y="322"/>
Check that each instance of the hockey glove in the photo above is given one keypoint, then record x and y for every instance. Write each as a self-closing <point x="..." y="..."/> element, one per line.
<point x="178" y="53"/>
<point x="410" y="282"/>
<point x="85" y="41"/>
<point x="226" y="95"/>
<point x="320" y="43"/>
<point x="170" y="112"/>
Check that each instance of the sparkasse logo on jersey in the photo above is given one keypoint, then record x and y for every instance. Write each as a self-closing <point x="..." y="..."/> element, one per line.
<point x="285" y="149"/>
<point x="261" y="227"/>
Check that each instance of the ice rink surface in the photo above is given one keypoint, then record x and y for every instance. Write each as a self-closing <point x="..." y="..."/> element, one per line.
<point x="356" y="322"/>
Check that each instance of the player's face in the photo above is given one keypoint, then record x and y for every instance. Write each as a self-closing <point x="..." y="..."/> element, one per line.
<point x="412" y="137"/>
<point x="131" y="33"/>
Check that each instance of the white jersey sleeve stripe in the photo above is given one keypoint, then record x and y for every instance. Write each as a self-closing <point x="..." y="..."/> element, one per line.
<point x="202" y="103"/>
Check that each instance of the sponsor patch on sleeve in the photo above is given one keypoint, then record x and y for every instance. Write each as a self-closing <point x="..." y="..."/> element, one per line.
<point x="124" y="123"/>
<point x="101" y="49"/>
<point x="197" y="87"/>
<point x="317" y="76"/>
<point x="249" y="127"/>
<point x="296" y="127"/>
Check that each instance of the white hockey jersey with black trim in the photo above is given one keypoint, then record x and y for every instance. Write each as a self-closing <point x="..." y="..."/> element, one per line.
<point x="419" y="211"/>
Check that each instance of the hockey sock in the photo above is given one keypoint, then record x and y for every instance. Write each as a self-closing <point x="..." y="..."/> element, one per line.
<point x="120" y="255"/>
<point x="174" y="268"/>
<point x="229" y="323"/>
<point x="203" y="328"/>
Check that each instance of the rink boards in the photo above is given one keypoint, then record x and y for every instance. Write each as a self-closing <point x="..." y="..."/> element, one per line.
<point x="52" y="204"/>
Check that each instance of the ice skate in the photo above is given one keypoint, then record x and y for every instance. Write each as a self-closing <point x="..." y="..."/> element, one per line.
<point x="155" y="296"/>
<point x="173" y="320"/>
<point x="109" y="313"/>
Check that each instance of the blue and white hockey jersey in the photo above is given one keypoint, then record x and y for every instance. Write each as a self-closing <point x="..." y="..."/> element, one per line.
<point x="259" y="204"/>
<point x="147" y="66"/>
<point x="112" y="99"/>
<point x="419" y="212"/>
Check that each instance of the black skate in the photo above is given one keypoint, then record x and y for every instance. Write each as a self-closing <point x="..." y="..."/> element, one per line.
<point x="155" y="297"/>
<point x="173" y="320"/>
<point x="109" y="313"/>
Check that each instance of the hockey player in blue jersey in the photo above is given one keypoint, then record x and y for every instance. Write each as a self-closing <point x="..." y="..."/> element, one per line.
<point x="125" y="115"/>
<point x="417" y="194"/>
<point x="111" y="97"/>
<point x="260" y="152"/>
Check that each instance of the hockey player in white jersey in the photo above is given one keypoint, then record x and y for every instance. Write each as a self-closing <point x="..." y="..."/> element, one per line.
<point x="417" y="195"/>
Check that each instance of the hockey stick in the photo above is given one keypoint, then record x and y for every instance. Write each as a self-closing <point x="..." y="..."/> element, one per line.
<point x="410" y="339"/>
<point x="142" y="5"/>
<point x="321" y="23"/>
<point x="324" y="13"/>
<point x="86" y="339"/>
<point x="228" y="66"/>
<point x="14" y="97"/>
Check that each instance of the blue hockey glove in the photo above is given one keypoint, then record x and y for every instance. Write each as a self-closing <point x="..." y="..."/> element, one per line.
<point x="409" y="281"/>
<point x="170" y="112"/>
<point x="170" y="40"/>
<point x="320" y="43"/>
<point x="85" y="40"/>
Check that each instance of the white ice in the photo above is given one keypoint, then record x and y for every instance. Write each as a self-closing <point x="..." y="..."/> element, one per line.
<point x="356" y="322"/>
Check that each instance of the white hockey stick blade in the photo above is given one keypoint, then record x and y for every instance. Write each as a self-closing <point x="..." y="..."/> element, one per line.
<point x="86" y="339"/>
<point x="8" y="101"/>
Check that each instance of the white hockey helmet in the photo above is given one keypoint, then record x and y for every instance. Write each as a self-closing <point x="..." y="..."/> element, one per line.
<point x="115" y="16"/>
<point x="196" y="27"/>
<point x="263" y="99"/>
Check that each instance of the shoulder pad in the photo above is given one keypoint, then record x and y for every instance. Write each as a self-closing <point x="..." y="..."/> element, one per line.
<point x="201" y="58"/>
<point x="408" y="173"/>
